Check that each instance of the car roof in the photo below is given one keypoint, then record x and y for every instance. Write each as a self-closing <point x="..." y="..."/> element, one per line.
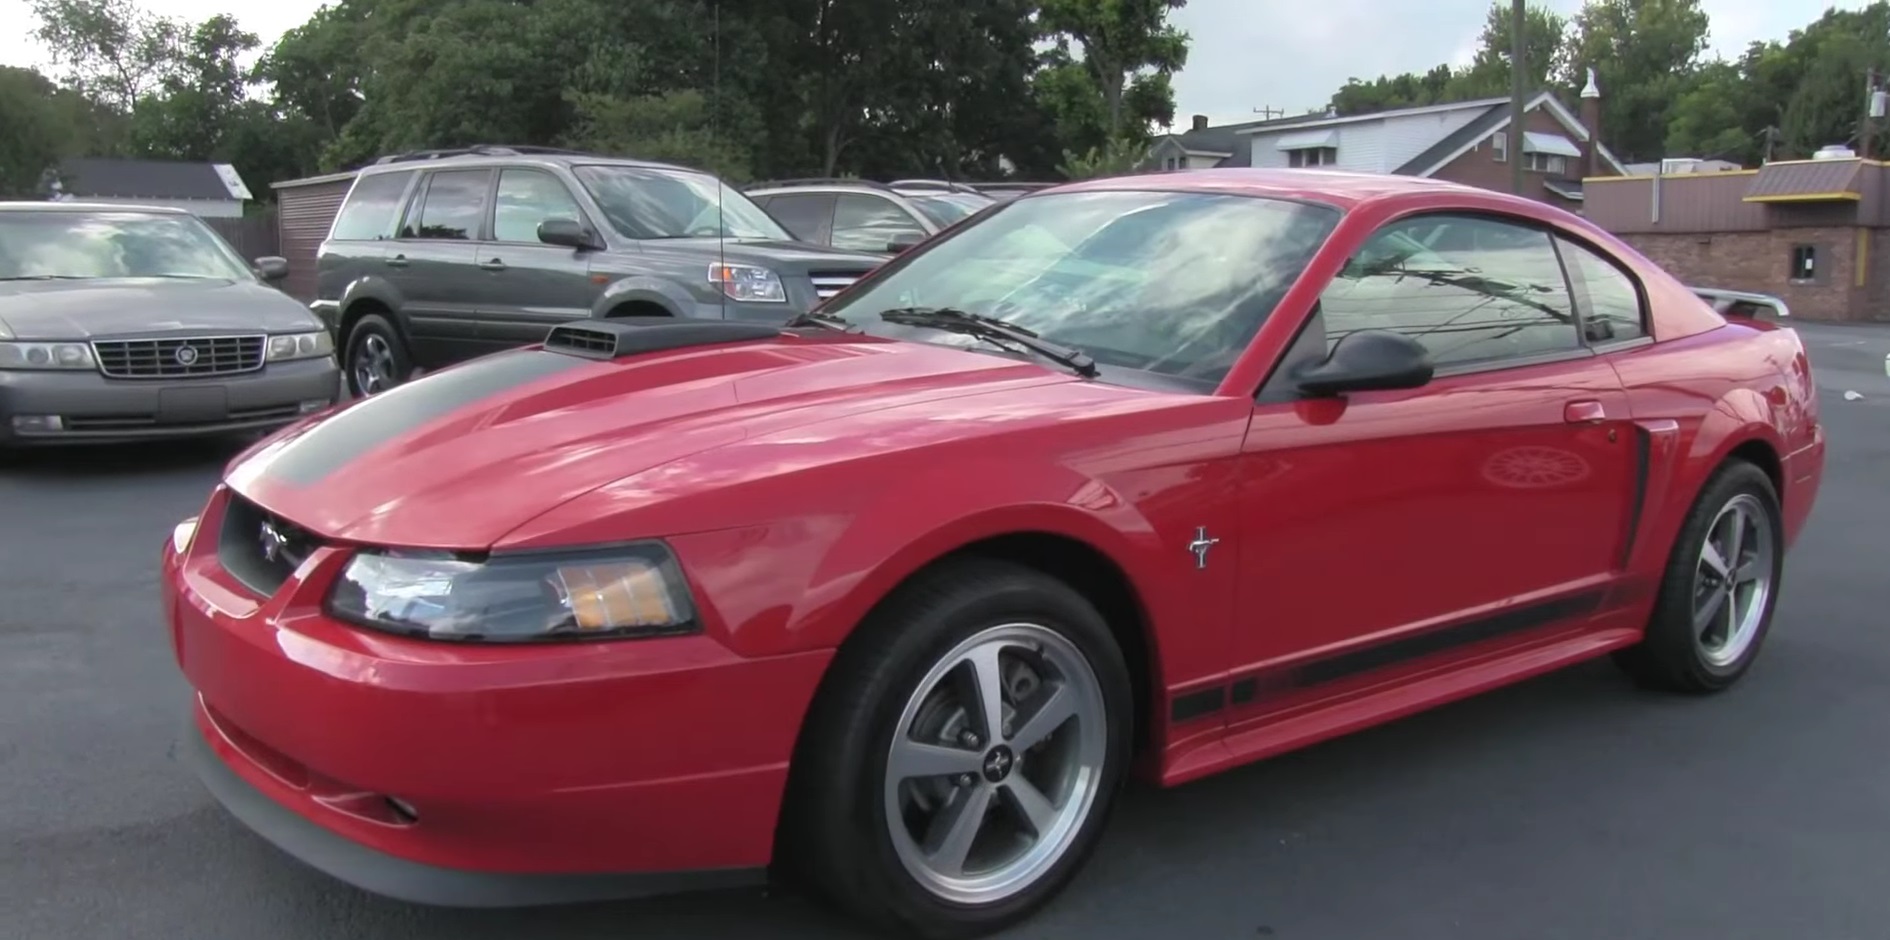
<point x="1341" y="188"/>
<point x="425" y="159"/>
<point x="50" y="206"/>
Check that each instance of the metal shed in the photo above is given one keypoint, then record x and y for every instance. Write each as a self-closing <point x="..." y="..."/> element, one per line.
<point x="305" y="209"/>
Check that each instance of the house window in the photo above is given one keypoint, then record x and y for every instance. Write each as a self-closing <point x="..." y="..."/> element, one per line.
<point x="1313" y="156"/>
<point x="1499" y="143"/>
<point x="1804" y="263"/>
<point x="1553" y="163"/>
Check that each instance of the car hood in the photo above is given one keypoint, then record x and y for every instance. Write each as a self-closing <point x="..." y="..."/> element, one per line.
<point x="89" y="309"/>
<point x="459" y="458"/>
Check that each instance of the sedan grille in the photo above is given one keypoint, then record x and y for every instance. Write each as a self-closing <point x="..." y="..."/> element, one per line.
<point x="829" y="283"/>
<point x="179" y="357"/>
<point x="260" y="549"/>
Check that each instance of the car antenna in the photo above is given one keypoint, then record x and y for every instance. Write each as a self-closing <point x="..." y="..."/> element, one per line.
<point x="715" y="110"/>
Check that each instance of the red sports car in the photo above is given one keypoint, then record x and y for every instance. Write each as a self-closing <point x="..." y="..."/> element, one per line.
<point x="1155" y="475"/>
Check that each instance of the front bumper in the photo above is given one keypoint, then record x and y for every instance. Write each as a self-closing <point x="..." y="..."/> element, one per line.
<point x="473" y="775"/>
<point x="92" y="408"/>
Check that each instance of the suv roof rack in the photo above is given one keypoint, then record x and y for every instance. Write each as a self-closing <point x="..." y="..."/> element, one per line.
<point x="946" y="185"/>
<point x="814" y="181"/>
<point x="480" y="150"/>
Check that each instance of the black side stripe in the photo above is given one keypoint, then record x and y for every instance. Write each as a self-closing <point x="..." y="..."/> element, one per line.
<point x="1324" y="671"/>
<point x="1643" y="447"/>
<point x="343" y="438"/>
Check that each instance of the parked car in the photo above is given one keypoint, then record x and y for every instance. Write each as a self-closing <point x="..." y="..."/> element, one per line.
<point x="1166" y="472"/>
<point x="1740" y="303"/>
<point x="122" y="323"/>
<point x="858" y="215"/>
<point x="440" y="256"/>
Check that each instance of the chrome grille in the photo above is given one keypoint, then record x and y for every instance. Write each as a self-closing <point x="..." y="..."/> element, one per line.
<point x="179" y="357"/>
<point x="829" y="283"/>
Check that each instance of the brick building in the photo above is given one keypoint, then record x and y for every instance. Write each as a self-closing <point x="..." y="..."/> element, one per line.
<point x="1464" y="142"/>
<point x="1811" y="232"/>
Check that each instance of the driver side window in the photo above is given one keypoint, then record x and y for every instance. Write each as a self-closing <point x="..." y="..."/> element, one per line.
<point x="1471" y="289"/>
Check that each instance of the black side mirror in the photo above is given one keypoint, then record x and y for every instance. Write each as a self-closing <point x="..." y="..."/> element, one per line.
<point x="1369" y="360"/>
<point x="567" y="232"/>
<point x="271" y="268"/>
<point x="903" y="241"/>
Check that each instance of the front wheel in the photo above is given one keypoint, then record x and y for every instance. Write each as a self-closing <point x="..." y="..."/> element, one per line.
<point x="965" y="753"/>
<point x="376" y="358"/>
<point x="1720" y="588"/>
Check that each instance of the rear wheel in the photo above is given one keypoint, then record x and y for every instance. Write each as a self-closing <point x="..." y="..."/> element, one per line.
<point x="1720" y="589"/>
<point x="377" y="358"/>
<point x="964" y="755"/>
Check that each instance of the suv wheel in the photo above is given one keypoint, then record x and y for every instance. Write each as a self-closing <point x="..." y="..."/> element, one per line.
<point x="376" y="360"/>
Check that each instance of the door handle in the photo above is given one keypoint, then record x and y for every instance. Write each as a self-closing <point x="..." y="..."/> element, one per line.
<point x="397" y="261"/>
<point x="492" y="264"/>
<point x="1584" y="412"/>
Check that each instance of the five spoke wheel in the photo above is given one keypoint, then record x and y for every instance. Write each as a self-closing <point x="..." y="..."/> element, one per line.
<point x="996" y="763"/>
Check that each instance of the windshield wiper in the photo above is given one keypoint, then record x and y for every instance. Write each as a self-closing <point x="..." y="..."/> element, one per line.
<point x="828" y="320"/>
<point x="991" y="328"/>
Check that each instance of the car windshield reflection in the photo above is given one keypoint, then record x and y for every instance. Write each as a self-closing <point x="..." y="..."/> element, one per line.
<point x="71" y="244"/>
<point x="1166" y="282"/>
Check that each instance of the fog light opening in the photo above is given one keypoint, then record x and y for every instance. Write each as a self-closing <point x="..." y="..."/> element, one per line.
<point x="38" y="424"/>
<point x="403" y="809"/>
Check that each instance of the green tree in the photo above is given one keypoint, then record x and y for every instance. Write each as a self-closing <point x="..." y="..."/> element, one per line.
<point x="1646" y="54"/>
<point x="36" y="137"/>
<point x="113" y="50"/>
<point x="1544" y="47"/>
<point x="1125" y="43"/>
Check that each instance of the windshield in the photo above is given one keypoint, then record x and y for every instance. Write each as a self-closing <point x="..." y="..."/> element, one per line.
<point x="107" y="244"/>
<point x="946" y="209"/>
<point x="646" y="202"/>
<point x="1164" y="282"/>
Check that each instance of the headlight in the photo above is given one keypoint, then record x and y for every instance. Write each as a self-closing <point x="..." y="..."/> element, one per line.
<point x="300" y="346"/>
<point x="633" y="591"/>
<point x="46" y="356"/>
<point x="747" y="282"/>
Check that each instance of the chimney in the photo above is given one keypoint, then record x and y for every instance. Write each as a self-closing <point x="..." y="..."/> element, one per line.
<point x="1591" y="119"/>
<point x="1200" y="122"/>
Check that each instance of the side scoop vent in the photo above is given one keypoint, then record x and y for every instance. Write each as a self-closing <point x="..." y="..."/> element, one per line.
<point x="619" y="337"/>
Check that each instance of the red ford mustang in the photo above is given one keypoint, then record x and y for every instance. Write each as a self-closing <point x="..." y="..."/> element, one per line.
<point x="1155" y="475"/>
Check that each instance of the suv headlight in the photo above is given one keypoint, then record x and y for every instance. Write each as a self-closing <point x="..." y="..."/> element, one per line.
<point x="46" y="356"/>
<point x="748" y="282"/>
<point x="625" y="592"/>
<point x="283" y="346"/>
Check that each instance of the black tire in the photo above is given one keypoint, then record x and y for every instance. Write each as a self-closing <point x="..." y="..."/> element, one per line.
<point x="1673" y="656"/>
<point x="836" y="835"/>
<point x="369" y="335"/>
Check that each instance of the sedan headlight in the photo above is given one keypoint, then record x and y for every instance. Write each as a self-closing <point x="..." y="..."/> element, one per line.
<point x="632" y="591"/>
<point x="748" y="282"/>
<point x="300" y="345"/>
<point x="46" y="356"/>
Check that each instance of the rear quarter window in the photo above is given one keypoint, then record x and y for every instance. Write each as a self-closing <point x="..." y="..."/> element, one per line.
<point x="371" y="208"/>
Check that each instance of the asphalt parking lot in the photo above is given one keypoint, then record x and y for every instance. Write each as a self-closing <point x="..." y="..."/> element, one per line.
<point x="1570" y="807"/>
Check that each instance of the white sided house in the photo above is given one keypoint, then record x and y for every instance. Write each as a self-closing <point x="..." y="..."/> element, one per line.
<point x="1465" y="142"/>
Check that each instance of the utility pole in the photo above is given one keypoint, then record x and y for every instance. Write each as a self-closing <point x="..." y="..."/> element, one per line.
<point x="1516" y="73"/>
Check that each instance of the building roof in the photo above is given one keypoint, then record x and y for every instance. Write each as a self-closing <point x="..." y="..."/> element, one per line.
<point x="1807" y="181"/>
<point x="1230" y="142"/>
<point x="115" y="178"/>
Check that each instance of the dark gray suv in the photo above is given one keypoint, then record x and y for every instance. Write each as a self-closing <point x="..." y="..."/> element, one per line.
<point x="440" y="256"/>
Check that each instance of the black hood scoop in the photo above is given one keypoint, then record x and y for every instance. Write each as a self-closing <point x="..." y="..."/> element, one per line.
<point x="619" y="337"/>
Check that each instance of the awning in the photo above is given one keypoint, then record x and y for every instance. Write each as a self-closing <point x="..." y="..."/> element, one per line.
<point x="1567" y="189"/>
<point x="1309" y="140"/>
<point x="1553" y="144"/>
<point x="1807" y="181"/>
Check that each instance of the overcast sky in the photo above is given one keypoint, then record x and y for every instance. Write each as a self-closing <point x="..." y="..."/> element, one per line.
<point x="1246" y="54"/>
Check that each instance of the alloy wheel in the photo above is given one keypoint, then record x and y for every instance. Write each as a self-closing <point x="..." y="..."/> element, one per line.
<point x="373" y="365"/>
<point x="1733" y="580"/>
<point x="996" y="763"/>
